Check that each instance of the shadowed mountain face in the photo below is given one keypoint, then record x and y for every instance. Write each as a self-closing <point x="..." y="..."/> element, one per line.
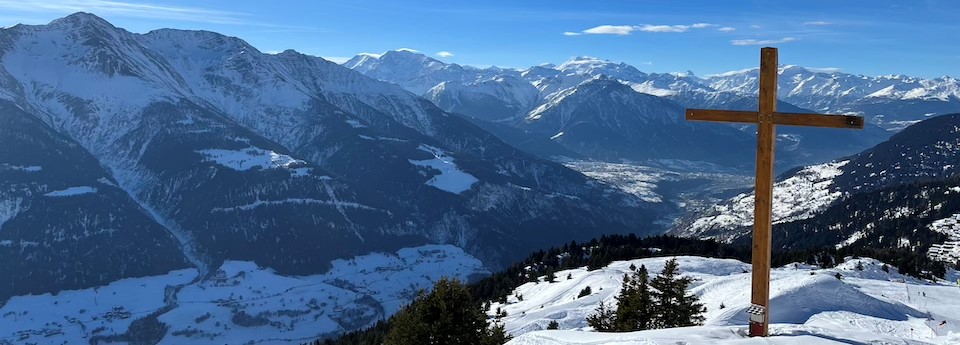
<point x="287" y="160"/>
<point x="64" y="222"/>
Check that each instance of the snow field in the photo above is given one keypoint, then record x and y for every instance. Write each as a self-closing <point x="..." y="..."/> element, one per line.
<point x="451" y="179"/>
<point x="242" y="302"/>
<point x="249" y="158"/>
<point x="797" y="197"/>
<point x="808" y="305"/>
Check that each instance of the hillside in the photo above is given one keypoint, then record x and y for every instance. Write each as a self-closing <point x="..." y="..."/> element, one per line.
<point x="886" y="196"/>
<point x="808" y="305"/>
<point x="286" y="160"/>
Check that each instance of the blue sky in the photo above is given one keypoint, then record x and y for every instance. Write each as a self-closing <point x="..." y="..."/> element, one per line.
<point x="915" y="37"/>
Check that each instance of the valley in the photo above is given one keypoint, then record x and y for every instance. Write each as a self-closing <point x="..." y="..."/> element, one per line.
<point x="182" y="186"/>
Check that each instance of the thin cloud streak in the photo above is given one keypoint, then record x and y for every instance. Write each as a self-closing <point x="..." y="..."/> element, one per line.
<point x="141" y="10"/>
<point x="754" y="42"/>
<point x="611" y="30"/>
<point x="623" y="30"/>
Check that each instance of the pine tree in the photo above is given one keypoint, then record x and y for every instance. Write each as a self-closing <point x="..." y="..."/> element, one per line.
<point x="496" y="334"/>
<point x="585" y="292"/>
<point x="553" y="325"/>
<point x="634" y="307"/>
<point x="603" y="319"/>
<point x="551" y="277"/>
<point x="447" y="315"/>
<point x="672" y="306"/>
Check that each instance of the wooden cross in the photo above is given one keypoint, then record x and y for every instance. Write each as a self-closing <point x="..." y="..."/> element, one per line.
<point x="765" y="118"/>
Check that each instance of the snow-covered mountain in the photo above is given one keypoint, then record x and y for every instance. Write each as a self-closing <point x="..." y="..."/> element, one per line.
<point x="808" y="305"/>
<point x="507" y="99"/>
<point x="888" y="195"/>
<point x="893" y="101"/>
<point x="501" y="99"/>
<point x="55" y="198"/>
<point x="417" y="72"/>
<point x="603" y="118"/>
<point x="286" y="160"/>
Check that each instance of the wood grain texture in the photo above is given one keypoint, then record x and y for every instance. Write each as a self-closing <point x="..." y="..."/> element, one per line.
<point x="763" y="207"/>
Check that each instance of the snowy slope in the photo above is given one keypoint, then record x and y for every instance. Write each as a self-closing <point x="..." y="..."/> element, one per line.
<point x="799" y="196"/>
<point x="869" y="305"/>
<point x="247" y="156"/>
<point x="240" y="302"/>
<point x="926" y="151"/>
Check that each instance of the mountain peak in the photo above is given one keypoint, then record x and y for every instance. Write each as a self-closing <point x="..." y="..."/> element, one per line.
<point x="82" y="19"/>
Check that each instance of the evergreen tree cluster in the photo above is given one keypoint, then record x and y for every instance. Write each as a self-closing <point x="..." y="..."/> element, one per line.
<point x="650" y="304"/>
<point x="446" y="315"/>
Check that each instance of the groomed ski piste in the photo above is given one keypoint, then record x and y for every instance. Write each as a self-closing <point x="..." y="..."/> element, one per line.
<point x="809" y="305"/>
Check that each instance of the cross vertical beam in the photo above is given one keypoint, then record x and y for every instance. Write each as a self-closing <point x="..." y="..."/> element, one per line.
<point x="766" y="117"/>
<point x="763" y="210"/>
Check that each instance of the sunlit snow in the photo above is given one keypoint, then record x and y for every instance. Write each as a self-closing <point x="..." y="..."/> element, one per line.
<point x="450" y="179"/>
<point x="249" y="158"/>
<point x="240" y="303"/>
<point x="797" y="197"/>
<point x="809" y="305"/>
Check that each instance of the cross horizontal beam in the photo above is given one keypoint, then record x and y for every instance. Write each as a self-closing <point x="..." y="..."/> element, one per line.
<point x="786" y="119"/>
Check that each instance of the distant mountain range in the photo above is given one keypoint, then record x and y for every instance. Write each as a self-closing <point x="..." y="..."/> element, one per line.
<point x="216" y="151"/>
<point x="523" y="98"/>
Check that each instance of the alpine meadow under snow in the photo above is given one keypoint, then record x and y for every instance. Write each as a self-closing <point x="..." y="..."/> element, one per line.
<point x="183" y="187"/>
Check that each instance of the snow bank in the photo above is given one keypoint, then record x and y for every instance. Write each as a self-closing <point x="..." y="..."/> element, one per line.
<point x="451" y="179"/>
<point x="808" y="305"/>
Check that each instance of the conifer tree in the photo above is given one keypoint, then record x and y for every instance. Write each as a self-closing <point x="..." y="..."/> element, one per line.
<point x="447" y="315"/>
<point x="603" y="319"/>
<point x="634" y="305"/>
<point x="672" y="305"/>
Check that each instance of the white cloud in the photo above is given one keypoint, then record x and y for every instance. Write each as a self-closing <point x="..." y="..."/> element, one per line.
<point x="141" y="10"/>
<point x="444" y="54"/>
<point x="408" y="50"/>
<point x="629" y="29"/>
<point x="611" y="30"/>
<point x="818" y="23"/>
<point x="336" y="59"/>
<point x="755" y="26"/>
<point x="665" y="28"/>
<point x="754" y="42"/>
<point x="824" y="69"/>
<point x="727" y="29"/>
